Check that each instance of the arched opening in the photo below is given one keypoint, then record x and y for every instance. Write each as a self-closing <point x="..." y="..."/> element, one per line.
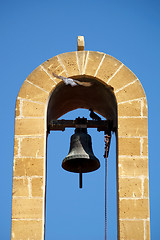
<point x="84" y="211"/>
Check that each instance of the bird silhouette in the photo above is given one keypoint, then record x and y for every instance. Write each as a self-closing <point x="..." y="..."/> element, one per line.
<point x="93" y="115"/>
<point x="72" y="82"/>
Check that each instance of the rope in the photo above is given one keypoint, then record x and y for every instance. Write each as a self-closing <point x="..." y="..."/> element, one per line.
<point x="107" y="145"/>
<point x="106" y="197"/>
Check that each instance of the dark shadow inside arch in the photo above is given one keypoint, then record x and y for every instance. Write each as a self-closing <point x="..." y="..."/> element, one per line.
<point x="98" y="96"/>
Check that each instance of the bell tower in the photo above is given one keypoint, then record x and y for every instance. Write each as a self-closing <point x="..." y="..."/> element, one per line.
<point x="115" y="93"/>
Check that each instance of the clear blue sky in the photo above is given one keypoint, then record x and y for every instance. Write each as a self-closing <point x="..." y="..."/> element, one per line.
<point x="32" y="32"/>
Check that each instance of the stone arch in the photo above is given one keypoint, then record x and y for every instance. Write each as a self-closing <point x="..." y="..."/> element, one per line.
<point x="28" y="201"/>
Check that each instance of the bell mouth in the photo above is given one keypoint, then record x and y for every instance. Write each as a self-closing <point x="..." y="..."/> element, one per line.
<point x="80" y="164"/>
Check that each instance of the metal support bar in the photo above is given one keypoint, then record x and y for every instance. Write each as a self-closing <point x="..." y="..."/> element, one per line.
<point x="60" y="125"/>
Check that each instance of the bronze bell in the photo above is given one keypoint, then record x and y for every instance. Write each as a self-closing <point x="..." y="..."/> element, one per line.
<point x="80" y="158"/>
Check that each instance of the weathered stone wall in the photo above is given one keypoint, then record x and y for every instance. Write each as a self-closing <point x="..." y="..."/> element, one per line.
<point x="29" y="170"/>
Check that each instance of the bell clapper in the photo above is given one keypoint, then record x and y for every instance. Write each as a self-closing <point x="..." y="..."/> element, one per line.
<point x="80" y="180"/>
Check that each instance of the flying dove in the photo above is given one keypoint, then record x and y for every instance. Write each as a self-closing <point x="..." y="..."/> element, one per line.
<point x="72" y="82"/>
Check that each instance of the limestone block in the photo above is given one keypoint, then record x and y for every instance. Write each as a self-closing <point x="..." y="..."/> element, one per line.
<point x="93" y="61"/>
<point x="129" y="146"/>
<point x="133" y="167"/>
<point x="133" y="91"/>
<point x="81" y="61"/>
<point x="32" y="147"/>
<point x="130" y="187"/>
<point x="145" y="147"/>
<point x="145" y="108"/>
<point x="123" y="77"/>
<point x="16" y="146"/>
<point x="31" y="109"/>
<point x="132" y="127"/>
<point x="29" y="126"/>
<point x="29" y="91"/>
<point x="40" y="78"/>
<point x="53" y="65"/>
<point x="20" y="187"/>
<point x="147" y="228"/>
<point x="37" y="187"/>
<point x="131" y="230"/>
<point x="22" y="230"/>
<point x="146" y="187"/>
<point x="129" y="109"/>
<point x="28" y="167"/>
<point x="69" y="61"/>
<point x="17" y="108"/>
<point x="134" y="208"/>
<point x="80" y="43"/>
<point x="23" y="208"/>
<point x="108" y="68"/>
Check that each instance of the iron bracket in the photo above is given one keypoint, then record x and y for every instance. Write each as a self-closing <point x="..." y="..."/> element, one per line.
<point x="101" y="125"/>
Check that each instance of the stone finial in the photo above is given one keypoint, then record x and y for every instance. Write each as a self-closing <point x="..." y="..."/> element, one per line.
<point x="80" y="43"/>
